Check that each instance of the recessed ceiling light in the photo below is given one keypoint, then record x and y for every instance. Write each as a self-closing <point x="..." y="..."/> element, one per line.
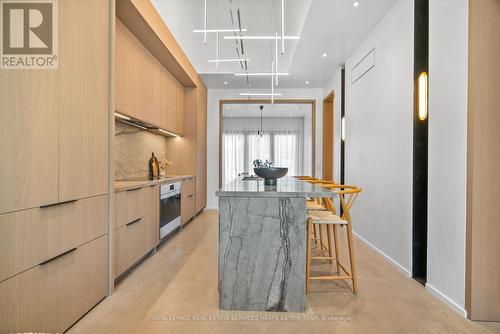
<point x="356" y="4"/>
<point x="324" y="55"/>
<point x="307" y="82"/>
<point x="225" y="83"/>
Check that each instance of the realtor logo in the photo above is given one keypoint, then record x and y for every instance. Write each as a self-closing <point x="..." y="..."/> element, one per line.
<point x="29" y="34"/>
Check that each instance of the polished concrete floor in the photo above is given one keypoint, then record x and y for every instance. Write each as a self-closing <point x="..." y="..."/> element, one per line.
<point x="175" y="291"/>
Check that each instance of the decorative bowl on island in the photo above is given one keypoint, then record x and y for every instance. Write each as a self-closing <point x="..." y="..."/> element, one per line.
<point x="270" y="174"/>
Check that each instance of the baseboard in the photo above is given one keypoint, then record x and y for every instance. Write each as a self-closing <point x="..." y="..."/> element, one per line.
<point x="442" y="297"/>
<point x="394" y="263"/>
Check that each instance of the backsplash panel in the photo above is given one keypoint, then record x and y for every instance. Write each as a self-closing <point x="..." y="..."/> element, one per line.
<point x="132" y="151"/>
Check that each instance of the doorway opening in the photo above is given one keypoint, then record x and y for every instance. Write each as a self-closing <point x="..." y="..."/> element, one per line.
<point x="283" y="133"/>
<point x="328" y="137"/>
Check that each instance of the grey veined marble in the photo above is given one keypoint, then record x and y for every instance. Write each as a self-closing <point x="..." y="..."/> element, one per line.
<point x="262" y="253"/>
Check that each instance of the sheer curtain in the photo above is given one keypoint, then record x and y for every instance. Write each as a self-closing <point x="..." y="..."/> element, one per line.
<point x="282" y="143"/>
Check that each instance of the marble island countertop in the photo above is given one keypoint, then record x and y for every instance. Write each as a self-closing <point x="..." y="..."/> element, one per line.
<point x="122" y="185"/>
<point x="286" y="187"/>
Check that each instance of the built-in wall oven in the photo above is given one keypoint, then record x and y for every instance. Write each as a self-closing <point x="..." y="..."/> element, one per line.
<point x="170" y="208"/>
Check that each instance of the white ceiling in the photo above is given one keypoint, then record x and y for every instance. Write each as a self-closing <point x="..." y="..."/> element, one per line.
<point x="270" y="110"/>
<point x="334" y="27"/>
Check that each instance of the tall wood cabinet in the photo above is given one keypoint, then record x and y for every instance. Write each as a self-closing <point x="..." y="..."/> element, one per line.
<point x="193" y="145"/>
<point x="54" y="178"/>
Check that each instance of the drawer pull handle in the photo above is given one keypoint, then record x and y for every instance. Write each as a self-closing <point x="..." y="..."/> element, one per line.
<point x="134" y="189"/>
<point x="189" y="196"/>
<point x="59" y="203"/>
<point x="134" y="221"/>
<point x="58" y="256"/>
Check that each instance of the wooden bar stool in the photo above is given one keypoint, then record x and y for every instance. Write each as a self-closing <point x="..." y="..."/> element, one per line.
<point x="347" y="195"/>
<point x="320" y="204"/>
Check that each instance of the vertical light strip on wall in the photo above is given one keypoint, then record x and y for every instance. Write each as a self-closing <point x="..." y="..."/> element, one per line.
<point x="423" y="96"/>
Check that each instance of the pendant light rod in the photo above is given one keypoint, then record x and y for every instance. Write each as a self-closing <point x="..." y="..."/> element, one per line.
<point x="260" y="94"/>
<point x="272" y="83"/>
<point x="217" y="53"/>
<point x="276" y="60"/>
<point x="205" y="25"/>
<point x="231" y="60"/>
<point x="261" y="74"/>
<point x="282" y="27"/>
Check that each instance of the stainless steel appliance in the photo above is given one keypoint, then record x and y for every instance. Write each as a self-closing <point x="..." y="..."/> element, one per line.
<point x="170" y="208"/>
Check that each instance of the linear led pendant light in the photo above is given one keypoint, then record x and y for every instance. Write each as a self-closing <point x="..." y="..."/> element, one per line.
<point x="261" y="94"/>
<point x="217" y="53"/>
<point x="261" y="74"/>
<point x="205" y="25"/>
<point x="263" y="37"/>
<point x="272" y="83"/>
<point x="231" y="60"/>
<point x="218" y="30"/>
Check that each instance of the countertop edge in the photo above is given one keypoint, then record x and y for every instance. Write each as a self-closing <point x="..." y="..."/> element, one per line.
<point x="125" y="185"/>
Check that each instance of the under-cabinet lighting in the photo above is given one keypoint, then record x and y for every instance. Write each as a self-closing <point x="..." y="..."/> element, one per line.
<point x="122" y="116"/>
<point x="261" y="94"/>
<point x="260" y="74"/>
<point x="422" y="96"/>
<point x="261" y="37"/>
<point x="218" y="30"/>
<point x="168" y="133"/>
<point x="232" y="60"/>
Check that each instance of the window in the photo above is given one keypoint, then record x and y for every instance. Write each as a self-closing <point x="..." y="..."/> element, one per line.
<point x="286" y="152"/>
<point x="233" y="146"/>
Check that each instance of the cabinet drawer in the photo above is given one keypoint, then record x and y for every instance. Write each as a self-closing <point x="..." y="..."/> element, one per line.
<point x="188" y="204"/>
<point x="132" y="242"/>
<point x="31" y="236"/>
<point x="51" y="297"/>
<point x="131" y="205"/>
<point x="188" y="186"/>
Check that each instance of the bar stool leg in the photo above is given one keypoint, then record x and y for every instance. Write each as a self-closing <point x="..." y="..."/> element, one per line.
<point x="309" y="227"/>
<point x="329" y="236"/>
<point x="315" y="234"/>
<point x="336" y="245"/>
<point x="351" y="259"/>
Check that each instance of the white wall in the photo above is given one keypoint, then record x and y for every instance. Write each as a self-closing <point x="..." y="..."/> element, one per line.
<point x="447" y="149"/>
<point x="214" y="96"/>
<point x="379" y="135"/>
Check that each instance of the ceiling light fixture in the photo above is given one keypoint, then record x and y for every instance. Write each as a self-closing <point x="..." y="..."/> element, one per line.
<point x="262" y="37"/>
<point x="260" y="94"/>
<point x="205" y="25"/>
<point x="225" y="83"/>
<point x="261" y="74"/>
<point x="307" y="82"/>
<point x="276" y="60"/>
<point x="122" y="116"/>
<point x="356" y="4"/>
<point x="218" y="30"/>
<point x="324" y="55"/>
<point x="168" y="133"/>
<point x="232" y="60"/>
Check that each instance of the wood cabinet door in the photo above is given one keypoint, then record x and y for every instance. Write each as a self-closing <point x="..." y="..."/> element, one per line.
<point x="29" y="132"/>
<point x="201" y="153"/>
<point x="125" y="56"/>
<point x="83" y="69"/>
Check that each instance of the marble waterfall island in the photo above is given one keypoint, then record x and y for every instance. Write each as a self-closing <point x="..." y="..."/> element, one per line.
<point x="262" y="244"/>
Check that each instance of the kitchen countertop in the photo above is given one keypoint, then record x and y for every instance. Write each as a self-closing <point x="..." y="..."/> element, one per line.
<point x="123" y="185"/>
<point x="286" y="187"/>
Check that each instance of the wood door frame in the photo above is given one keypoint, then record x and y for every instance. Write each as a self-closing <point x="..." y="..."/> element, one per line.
<point x="328" y="110"/>
<point x="312" y="102"/>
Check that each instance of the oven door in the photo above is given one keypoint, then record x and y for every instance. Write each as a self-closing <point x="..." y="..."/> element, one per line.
<point x="170" y="213"/>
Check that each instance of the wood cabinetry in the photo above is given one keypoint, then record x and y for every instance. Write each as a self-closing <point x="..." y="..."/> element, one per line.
<point x="188" y="202"/>
<point x="50" y="297"/>
<point x="136" y="226"/>
<point x="54" y="123"/>
<point x="193" y="160"/>
<point x="144" y="88"/>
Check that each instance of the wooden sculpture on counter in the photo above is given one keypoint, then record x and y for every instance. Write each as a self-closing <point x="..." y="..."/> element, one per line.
<point x="154" y="167"/>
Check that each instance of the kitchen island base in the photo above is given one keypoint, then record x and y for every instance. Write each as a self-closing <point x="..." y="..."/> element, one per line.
<point x="262" y="253"/>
